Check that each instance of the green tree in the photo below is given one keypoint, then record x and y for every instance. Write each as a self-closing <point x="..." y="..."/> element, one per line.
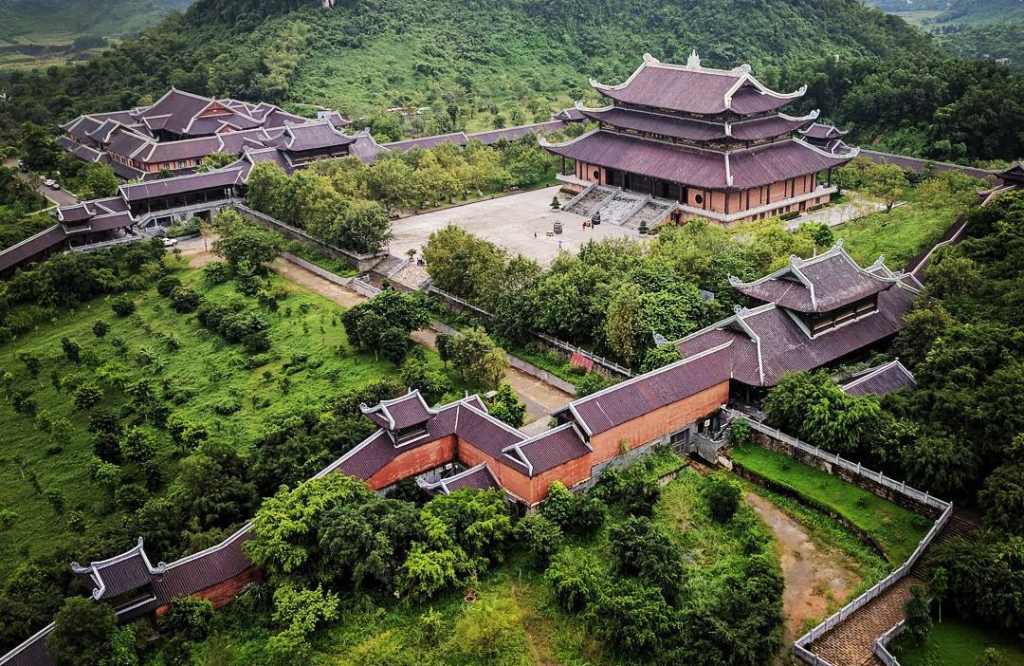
<point x="507" y="406"/>
<point x="886" y="182"/>
<point x="81" y="633"/>
<point x="577" y="578"/>
<point x="624" y="328"/>
<point x="243" y="244"/>
<point x="723" y="498"/>
<point x="659" y="357"/>
<point x="87" y="396"/>
<point x="390" y="182"/>
<point x="188" y="617"/>
<point x="99" y="181"/>
<point x="918" y="622"/>
<point x="541" y="538"/>
<point x="477" y="358"/>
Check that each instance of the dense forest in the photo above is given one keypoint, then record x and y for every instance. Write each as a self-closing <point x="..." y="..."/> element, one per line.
<point x="482" y="64"/>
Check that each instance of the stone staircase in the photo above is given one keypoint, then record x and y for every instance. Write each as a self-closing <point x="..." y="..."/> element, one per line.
<point x="622" y="207"/>
<point x="962" y="524"/>
<point x="651" y="213"/>
<point x="852" y="643"/>
<point x="588" y="204"/>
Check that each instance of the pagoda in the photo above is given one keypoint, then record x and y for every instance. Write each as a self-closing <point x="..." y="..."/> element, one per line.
<point x="706" y="142"/>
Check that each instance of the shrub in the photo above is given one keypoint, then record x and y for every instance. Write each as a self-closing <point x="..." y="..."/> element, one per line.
<point x="541" y="538"/>
<point x="131" y="497"/>
<point x="216" y="273"/>
<point x="918" y="617"/>
<point x="82" y="632"/>
<point x="72" y="350"/>
<point x="122" y="306"/>
<point x="589" y="383"/>
<point x="188" y="617"/>
<point x="227" y="407"/>
<point x="100" y="328"/>
<point x="723" y="498"/>
<point x="577" y="578"/>
<point x="185" y="300"/>
<point x="740" y="432"/>
<point x="87" y="396"/>
<point x="579" y="514"/>
<point x="168" y="285"/>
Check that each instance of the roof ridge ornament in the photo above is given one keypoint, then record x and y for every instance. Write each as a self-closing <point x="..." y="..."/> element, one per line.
<point x="735" y="281"/>
<point x="795" y="260"/>
<point x="651" y="60"/>
<point x="693" y="62"/>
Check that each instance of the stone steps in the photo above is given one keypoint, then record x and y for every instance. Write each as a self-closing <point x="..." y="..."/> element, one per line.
<point x="585" y="204"/>
<point x="650" y="213"/>
<point x="852" y="642"/>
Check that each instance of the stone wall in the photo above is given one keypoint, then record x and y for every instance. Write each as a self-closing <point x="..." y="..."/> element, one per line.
<point x="871" y="481"/>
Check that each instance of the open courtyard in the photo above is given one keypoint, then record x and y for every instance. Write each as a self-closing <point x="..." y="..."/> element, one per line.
<point x="518" y="222"/>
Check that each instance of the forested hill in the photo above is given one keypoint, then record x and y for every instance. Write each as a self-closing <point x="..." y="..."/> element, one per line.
<point x="483" y="63"/>
<point x="51" y="22"/>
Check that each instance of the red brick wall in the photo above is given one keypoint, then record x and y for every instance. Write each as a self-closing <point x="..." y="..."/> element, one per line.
<point x="224" y="593"/>
<point x="415" y="461"/>
<point x="659" y="423"/>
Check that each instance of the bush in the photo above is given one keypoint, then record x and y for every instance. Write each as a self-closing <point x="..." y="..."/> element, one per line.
<point x="131" y="497"/>
<point x="577" y="578"/>
<point x="122" y="306"/>
<point x="87" y="396"/>
<point x="579" y="514"/>
<point x="72" y="350"/>
<point x="723" y="498"/>
<point x="82" y="632"/>
<point x="167" y="285"/>
<point x="216" y="273"/>
<point x="100" y="328"/>
<point x="185" y="300"/>
<point x="188" y="617"/>
<point x="541" y="538"/>
<point x="589" y="383"/>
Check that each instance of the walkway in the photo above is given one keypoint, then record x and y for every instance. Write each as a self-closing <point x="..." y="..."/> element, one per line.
<point x="852" y="643"/>
<point x="814" y="576"/>
<point x="541" y="398"/>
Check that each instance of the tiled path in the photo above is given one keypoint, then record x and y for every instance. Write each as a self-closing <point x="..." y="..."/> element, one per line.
<point x="852" y="643"/>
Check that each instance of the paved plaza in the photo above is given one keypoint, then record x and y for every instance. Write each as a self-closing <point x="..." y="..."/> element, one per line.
<point x="517" y="222"/>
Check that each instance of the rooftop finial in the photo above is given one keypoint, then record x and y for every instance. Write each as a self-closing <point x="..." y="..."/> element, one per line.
<point x="693" y="62"/>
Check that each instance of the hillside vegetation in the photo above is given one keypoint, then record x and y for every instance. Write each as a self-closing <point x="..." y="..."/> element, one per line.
<point x="43" y="31"/>
<point x="469" y="65"/>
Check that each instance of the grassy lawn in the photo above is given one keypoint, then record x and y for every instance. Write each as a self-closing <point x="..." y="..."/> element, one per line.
<point x="900" y="235"/>
<point x="956" y="642"/>
<point x="210" y="373"/>
<point x="896" y="529"/>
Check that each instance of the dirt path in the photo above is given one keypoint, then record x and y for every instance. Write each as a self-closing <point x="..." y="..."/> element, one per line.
<point x="540" y="398"/>
<point x="814" y="577"/>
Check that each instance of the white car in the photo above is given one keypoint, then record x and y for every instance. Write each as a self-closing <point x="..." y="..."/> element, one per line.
<point x="170" y="242"/>
<point x="49" y="182"/>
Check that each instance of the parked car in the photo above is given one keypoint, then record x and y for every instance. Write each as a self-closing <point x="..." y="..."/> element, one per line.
<point x="170" y="242"/>
<point x="55" y="186"/>
<point x="22" y="167"/>
<point x="49" y="182"/>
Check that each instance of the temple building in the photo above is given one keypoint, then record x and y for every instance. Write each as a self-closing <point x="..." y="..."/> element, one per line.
<point x="811" y="314"/>
<point x="701" y="142"/>
<point x="179" y="130"/>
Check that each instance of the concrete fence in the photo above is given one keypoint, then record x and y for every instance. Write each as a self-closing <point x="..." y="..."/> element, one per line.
<point x="516" y="362"/>
<point x="877" y="483"/>
<point x="361" y="262"/>
<point x="313" y="268"/>
<point x="610" y="368"/>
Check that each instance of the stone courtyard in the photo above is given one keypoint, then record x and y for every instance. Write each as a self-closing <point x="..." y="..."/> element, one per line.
<point x="517" y="222"/>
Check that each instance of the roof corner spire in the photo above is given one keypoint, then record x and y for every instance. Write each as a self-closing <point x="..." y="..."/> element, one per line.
<point x="693" y="62"/>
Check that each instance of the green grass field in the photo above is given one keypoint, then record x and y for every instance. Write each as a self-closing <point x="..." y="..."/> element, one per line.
<point x="205" y="366"/>
<point x="955" y="642"/>
<point x="896" y="529"/>
<point x="900" y="235"/>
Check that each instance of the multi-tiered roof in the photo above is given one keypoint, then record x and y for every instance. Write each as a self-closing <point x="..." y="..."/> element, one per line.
<point x="700" y="127"/>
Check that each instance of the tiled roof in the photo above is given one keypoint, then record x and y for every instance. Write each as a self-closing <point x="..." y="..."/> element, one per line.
<point x="123" y="573"/>
<point x="699" y="168"/>
<point x="820" y="284"/>
<point x="399" y="413"/>
<point x="205" y="568"/>
<point x="32" y="652"/>
<point x="171" y="186"/>
<point x="696" y="130"/>
<point x="641" y="395"/>
<point x="695" y="89"/>
<point x="427" y="142"/>
<point x="31" y="246"/>
<point x="491" y="137"/>
<point x="823" y="132"/>
<point x="767" y="342"/>
<point x="882" y="379"/>
<point x="175" y="111"/>
<point x="551" y="449"/>
<point x="315" y="135"/>
<point x="478" y="477"/>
